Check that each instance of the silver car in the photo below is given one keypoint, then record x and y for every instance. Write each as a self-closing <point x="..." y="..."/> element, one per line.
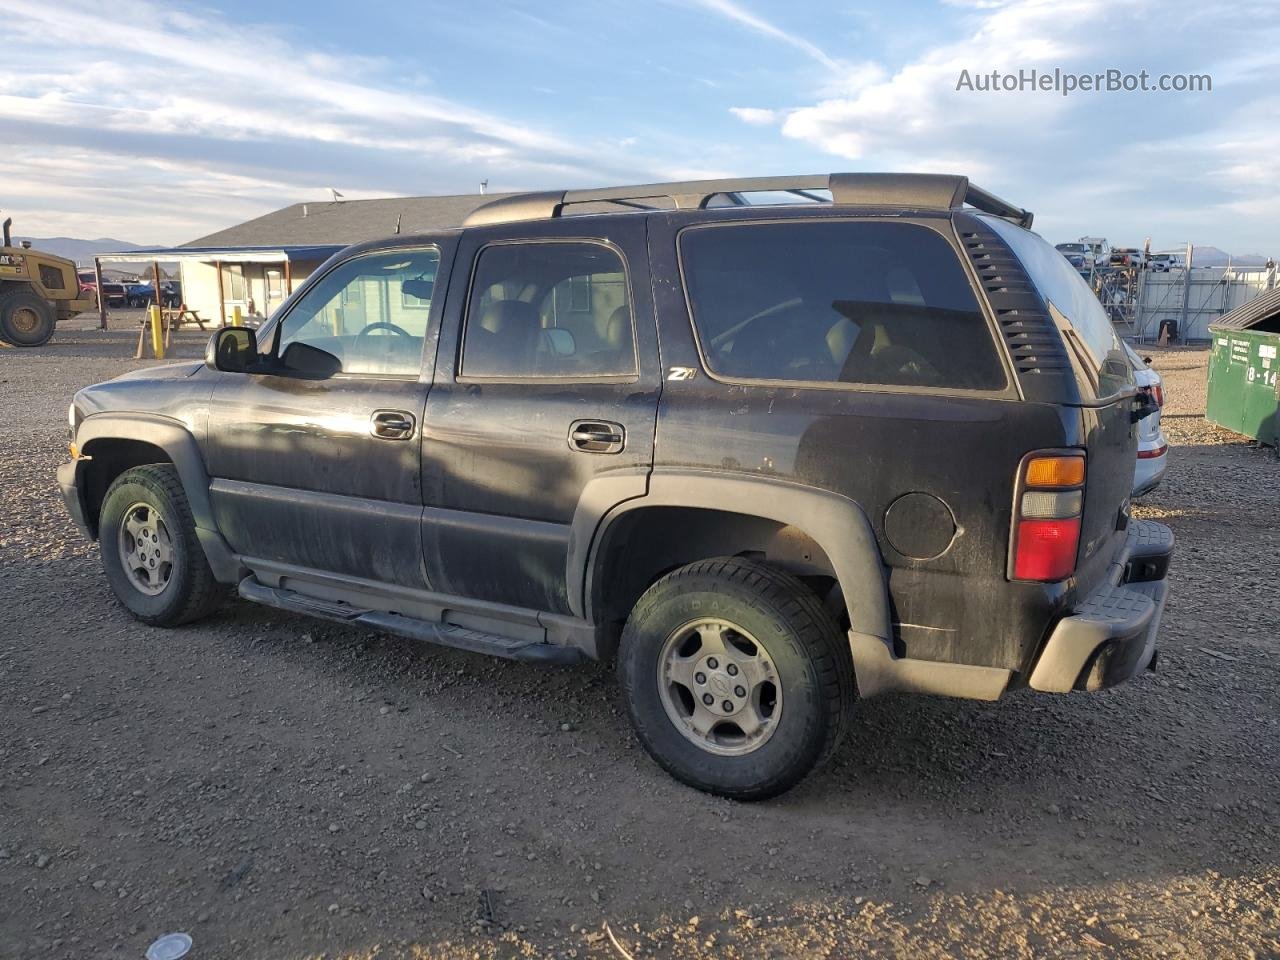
<point x="1153" y="449"/>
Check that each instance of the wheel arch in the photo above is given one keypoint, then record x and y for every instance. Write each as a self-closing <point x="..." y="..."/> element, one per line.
<point x="113" y="443"/>
<point x="686" y="516"/>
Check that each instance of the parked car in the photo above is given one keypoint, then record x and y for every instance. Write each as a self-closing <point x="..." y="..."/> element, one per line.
<point x="88" y="284"/>
<point x="1100" y="249"/>
<point x="1164" y="262"/>
<point x="1127" y="258"/>
<point x="1077" y="255"/>
<point x="139" y="294"/>
<point x="116" y="294"/>
<point x="1153" y="449"/>
<point x="770" y="459"/>
<point x="143" y="294"/>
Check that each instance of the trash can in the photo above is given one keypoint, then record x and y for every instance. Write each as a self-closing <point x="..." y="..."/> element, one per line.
<point x="1243" y="392"/>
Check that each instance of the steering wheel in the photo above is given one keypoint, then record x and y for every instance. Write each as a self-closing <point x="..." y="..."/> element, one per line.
<point x="382" y="325"/>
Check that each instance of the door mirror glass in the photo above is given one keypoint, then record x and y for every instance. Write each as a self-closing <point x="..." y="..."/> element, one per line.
<point x="309" y="362"/>
<point x="232" y="350"/>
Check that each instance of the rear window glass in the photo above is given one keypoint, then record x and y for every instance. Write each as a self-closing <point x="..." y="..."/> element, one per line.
<point x="834" y="301"/>
<point x="1062" y="286"/>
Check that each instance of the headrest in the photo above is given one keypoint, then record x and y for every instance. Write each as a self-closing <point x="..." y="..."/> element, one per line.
<point x="617" y="330"/>
<point x="509" y="316"/>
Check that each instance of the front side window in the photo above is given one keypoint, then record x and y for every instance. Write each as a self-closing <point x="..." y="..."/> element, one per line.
<point x="370" y="312"/>
<point x="546" y="310"/>
<point x="831" y="301"/>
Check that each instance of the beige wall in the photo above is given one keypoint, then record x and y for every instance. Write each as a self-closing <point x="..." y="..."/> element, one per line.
<point x="200" y="286"/>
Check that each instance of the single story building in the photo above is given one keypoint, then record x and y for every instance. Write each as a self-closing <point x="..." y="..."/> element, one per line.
<point x="255" y="265"/>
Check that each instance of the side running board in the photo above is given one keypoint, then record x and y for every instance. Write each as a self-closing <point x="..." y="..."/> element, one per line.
<point x="445" y="634"/>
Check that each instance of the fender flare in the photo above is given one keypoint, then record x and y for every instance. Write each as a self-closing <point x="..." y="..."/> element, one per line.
<point x="836" y="523"/>
<point x="178" y="443"/>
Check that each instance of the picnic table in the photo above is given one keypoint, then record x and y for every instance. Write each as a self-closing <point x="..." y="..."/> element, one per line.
<point x="170" y="317"/>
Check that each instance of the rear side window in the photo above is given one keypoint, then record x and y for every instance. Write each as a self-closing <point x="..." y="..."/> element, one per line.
<point x="1064" y="288"/>
<point x="547" y="310"/>
<point x="831" y="301"/>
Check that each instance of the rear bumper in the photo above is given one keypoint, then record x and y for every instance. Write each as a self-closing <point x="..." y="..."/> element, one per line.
<point x="1110" y="636"/>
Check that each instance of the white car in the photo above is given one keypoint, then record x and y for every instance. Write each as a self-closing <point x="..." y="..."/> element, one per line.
<point x="1153" y="449"/>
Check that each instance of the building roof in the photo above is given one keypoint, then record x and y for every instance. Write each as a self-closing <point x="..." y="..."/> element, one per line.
<point x="347" y="221"/>
<point x="1262" y="313"/>
<point x="227" y="254"/>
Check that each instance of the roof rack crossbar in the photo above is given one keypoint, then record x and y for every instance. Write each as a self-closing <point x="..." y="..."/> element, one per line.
<point x="921" y="191"/>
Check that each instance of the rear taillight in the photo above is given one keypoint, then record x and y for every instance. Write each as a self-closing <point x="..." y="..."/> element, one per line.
<point x="1157" y="394"/>
<point x="1046" y="517"/>
<point x="1159" y="451"/>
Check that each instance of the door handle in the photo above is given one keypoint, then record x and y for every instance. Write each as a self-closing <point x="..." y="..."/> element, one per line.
<point x="597" y="436"/>
<point x="391" y="424"/>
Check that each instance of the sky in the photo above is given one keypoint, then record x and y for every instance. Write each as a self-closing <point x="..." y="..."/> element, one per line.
<point x="157" y="123"/>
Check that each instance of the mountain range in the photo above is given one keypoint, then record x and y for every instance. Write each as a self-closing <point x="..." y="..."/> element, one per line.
<point x="81" y="251"/>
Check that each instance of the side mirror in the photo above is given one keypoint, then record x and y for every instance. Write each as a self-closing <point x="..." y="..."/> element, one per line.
<point x="422" y="287"/>
<point x="232" y="350"/>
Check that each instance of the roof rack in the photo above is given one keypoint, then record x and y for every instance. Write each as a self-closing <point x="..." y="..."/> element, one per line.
<point x="916" y="191"/>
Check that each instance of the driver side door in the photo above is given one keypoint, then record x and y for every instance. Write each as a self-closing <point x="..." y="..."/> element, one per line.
<point x="314" y="472"/>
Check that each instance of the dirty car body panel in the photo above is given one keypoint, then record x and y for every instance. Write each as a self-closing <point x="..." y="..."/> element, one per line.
<point x="522" y="510"/>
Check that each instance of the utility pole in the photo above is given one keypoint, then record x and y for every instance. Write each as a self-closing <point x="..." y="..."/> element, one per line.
<point x="1186" y="290"/>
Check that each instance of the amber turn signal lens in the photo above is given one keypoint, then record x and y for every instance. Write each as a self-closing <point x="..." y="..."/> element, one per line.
<point x="1055" y="471"/>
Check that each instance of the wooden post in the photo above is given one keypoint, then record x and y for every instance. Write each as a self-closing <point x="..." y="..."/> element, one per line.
<point x="155" y="267"/>
<point x="222" y="303"/>
<point x="288" y="278"/>
<point x="102" y="301"/>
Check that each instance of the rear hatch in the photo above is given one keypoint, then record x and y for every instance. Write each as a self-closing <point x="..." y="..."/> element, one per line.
<point x="1106" y="394"/>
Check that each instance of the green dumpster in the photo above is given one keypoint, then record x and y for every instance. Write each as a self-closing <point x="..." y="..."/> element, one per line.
<point x="1243" y="393"/>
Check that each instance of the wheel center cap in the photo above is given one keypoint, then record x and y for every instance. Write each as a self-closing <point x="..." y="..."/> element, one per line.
<point x="720" y="685"/>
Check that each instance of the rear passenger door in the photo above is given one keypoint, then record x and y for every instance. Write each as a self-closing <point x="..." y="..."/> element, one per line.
<point x="541" y="416"/>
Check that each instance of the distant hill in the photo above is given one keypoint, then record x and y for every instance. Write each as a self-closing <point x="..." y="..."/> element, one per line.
<point x="81" y="251"/>
<point x="1213" y="257"/>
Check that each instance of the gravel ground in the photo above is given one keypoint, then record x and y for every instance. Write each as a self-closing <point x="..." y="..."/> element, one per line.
<point x="279" y="787"/>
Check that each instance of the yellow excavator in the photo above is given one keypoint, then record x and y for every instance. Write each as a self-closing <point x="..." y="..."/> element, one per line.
<point x="36" y="291"/>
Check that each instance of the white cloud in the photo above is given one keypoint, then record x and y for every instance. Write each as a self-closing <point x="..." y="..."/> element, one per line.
<point x="240" y="108"/>
<point x="740" y="15"/>
<point x="755" y="116"/>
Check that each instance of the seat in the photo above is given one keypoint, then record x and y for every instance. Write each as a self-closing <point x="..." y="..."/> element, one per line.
<point x="502" y="341"/>
<point x="617" y="355"/>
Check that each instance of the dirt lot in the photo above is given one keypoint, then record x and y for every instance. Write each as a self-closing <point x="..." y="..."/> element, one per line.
<point x="279" y="787"/>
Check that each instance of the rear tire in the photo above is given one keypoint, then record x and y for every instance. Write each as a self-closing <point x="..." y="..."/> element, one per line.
<point x="152" y="557"/>
<point x="738" y="680"/>
<point x="26" y="320"/>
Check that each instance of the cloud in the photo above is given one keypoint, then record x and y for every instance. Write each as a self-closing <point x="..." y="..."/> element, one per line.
<point x="241" y="109"/>
<point x="755" y="116"/>
<point x="740" y="15"/>
<point x="1176" y="165"/>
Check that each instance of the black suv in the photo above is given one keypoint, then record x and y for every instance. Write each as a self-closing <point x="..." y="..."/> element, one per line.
<point x="774" y="444"/>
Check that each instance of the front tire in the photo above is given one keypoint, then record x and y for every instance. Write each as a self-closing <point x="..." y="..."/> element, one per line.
<point x="737" y="679"/>
<point x="153" y="560"/>
<point x="26" y="320"/>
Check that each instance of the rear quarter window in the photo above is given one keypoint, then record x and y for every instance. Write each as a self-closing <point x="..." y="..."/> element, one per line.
<point x="837" y="302"/>
<point x="1062" y="287"/>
